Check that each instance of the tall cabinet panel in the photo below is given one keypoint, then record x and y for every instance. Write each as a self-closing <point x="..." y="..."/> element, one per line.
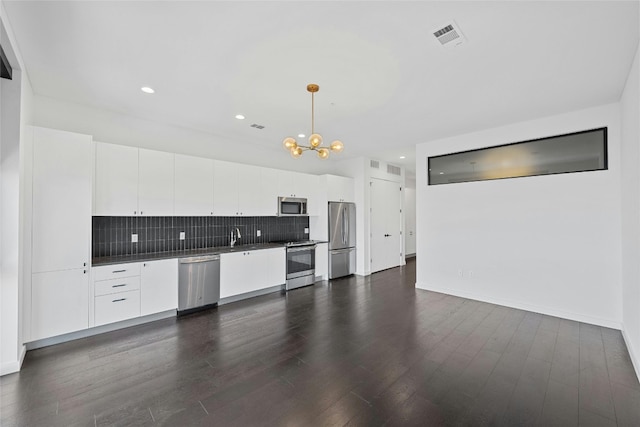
<point x="193" y="186"/>
<point x="155" y="183"/>
<point x="225" y="188"/>
<point x="116" y="186"/>
<point x="61" y="233"/>
<point x="61" y="200"/>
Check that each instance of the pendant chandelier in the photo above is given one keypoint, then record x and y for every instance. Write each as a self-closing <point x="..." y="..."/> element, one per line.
<point x="315" y="140"/>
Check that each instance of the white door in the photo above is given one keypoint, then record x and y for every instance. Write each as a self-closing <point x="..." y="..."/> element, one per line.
<point x="155" y="183"/>
<point x="193" y="186"/>
<point x="409" y="221"/>
<point x="59" y="303"/>
<point x="269" y="192"/>
<point x="158" y="286"/>
<point x="116" y="180"/>
<point x="61" y="200"/>
<point x="386" y="223"/>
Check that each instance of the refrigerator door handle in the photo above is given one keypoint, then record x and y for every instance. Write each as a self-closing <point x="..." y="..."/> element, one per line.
<point x="342" y="251"/>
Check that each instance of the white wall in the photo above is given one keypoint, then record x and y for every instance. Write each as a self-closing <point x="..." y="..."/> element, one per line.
<point x="549" y="244"/>
<point x="15" y="112"/>
<point x="630" y="167"/>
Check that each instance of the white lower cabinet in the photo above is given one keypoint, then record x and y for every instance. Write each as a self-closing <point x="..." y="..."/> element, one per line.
<point x="125" y="291"/>
<point x="59" y="303"/>
<point x="158" y="286"/>
<point x="116" y="307"/>
<point x="249" y="271"/>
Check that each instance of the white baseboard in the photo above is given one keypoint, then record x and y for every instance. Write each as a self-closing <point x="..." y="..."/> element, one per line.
<point x="633" y="354"/>
<point x="578" y="317"/>
<point x="14" y="365"/>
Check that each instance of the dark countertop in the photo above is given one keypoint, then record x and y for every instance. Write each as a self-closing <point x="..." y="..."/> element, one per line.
<point x="123" y="259"/>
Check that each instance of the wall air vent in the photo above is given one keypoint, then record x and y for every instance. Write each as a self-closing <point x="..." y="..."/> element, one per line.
<point x="394" y="170"/>
<point x="449" y="35"/>
<point x="257" y="126"/>
<point x="375" y="164"/>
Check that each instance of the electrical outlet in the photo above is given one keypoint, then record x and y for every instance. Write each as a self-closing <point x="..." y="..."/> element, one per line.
<point x="306" y="231"/>
<point x="134" y="238"/>
<point x="461" y="273"/>
<point x="182" y="237"/>
<point x="258" y="234"/>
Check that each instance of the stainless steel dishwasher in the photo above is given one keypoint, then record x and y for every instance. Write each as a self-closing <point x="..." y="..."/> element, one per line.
<point x="198" y="282"/>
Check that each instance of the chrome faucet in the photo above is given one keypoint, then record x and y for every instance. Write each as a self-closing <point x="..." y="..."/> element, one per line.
<point x="235" y="237"/>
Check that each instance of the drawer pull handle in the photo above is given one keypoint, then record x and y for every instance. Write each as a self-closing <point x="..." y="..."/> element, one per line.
<point x="118" y="300"/>
<point x="119" y="271"/>
<point x="119" y="286"/>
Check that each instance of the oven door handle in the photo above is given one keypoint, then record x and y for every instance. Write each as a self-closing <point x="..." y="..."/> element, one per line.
<point x="300" y="248"/>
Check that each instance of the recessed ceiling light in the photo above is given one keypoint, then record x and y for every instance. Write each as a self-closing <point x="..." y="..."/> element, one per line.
<point x="301" y="135"/>
<point x="147" y="89"/>
<point x="403" y="157"/>
<point x="239" y="117"/>
<point x="441" y="173"/>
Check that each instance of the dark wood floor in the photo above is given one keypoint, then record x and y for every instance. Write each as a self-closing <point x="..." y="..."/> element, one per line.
<point x="359" y="351"/>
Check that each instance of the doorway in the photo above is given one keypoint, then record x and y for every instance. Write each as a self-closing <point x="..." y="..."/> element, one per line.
<point x="386" y="224"/>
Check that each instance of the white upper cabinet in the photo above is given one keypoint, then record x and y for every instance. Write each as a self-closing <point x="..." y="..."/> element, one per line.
<point x="296" y="184"/>
<point x="339" y="188"/>
<point x="116" y="182"/>
<point x="193" y="186"/>
<point x="225" y="189"/>
<point x="61" y="200"/>
<point x="268" y="192"/>
<point x="155" y="183"/>
<point x="244" y="190"/>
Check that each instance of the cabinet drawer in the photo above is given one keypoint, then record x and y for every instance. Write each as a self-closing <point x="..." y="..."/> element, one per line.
<point x="115" y="307"/>
<point x="113" y="286"/>
<point x="116" y="271"/>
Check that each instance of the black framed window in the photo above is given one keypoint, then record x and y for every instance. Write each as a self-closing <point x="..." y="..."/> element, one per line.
<point x="574" y="152"/>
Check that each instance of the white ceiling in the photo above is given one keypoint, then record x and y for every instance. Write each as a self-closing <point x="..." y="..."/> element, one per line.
<point x="385" y="82"/>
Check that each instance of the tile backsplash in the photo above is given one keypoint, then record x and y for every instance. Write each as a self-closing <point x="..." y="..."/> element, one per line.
<point x="111" y="236"/>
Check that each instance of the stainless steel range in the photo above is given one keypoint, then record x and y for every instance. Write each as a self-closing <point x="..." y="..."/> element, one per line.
<point x="301" y="264"/>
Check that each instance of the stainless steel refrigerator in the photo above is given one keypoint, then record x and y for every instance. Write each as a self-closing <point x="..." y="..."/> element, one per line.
<point x="342" y="239"/>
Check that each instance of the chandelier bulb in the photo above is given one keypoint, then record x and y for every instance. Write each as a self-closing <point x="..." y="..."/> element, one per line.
<point x="315" y="140"/>
<point x="337" y="146"/>
<point x="289" y="143"/>
<point x="296" y="152"/>
<point x="323" y="153"/>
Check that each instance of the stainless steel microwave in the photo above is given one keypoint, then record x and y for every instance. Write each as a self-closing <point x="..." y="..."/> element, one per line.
<point x="292" y="206"/>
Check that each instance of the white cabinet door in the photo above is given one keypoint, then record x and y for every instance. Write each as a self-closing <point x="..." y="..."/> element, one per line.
<point x="249" y="190"/>
<point x="158" y="286"/>
<point x="287" y="185"/>
<point x="116" y="186"/>
<point x="242" y="272"/>
<point x="61" y="200"/>
<point x="193" y="186"/>
<point x="340" y="189"/>
<point x="296" y="184"/>
<point x="155" y="183"/>
<point x="59" y="303"/>
<point x="225" y="188"/>
<point x="269" y="192"/>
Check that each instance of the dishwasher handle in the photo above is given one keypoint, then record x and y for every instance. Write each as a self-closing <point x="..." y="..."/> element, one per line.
<point x="193" y="260"/>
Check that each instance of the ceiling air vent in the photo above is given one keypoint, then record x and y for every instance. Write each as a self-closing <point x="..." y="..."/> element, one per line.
<point x="449" y="35"/>
<point x="257" y="126"/>
<point x="375" y="164"/>
<point x="393" y="170"/>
